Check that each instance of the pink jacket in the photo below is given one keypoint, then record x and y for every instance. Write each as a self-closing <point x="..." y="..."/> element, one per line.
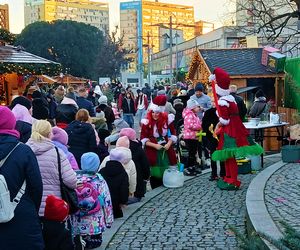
<point x="192" y="124"/>
<point x="47" y="159"/>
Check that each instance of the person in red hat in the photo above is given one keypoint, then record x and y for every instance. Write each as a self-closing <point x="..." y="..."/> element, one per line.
<point x="158" y="135"/>
<point x="234" y="139"/>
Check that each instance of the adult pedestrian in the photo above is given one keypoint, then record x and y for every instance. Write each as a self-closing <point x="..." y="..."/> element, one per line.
<point x="23" y="231"/>
<point x="108" y="112"/>
<point x="239" y="101"/>
<point x="128" y="109"/>
<point x="141" y="104"/>
<point x="45" y="152"/>
<point x="83" y="103"/>
<point x="168" y="107"/>
<point x="82" y="138"/>
<point x="259" y="106"/>
<point x="40" y="106"/>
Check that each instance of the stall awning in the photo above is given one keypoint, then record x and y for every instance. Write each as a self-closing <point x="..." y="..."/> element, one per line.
<point x="246" y="89"/>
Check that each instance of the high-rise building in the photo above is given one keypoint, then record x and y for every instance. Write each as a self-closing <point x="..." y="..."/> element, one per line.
<point x="85" y="11"/>
<point x="4" y="17"/>
<point x="141" y="23"/>
<point x="202" y="27"/>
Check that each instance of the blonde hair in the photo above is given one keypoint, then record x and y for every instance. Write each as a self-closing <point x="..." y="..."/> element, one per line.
<point x="41" y="129"/>
<point x="82" y="115"/>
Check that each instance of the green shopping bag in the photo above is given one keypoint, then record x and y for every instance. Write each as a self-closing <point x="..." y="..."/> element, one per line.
<point x="162" y="163"/>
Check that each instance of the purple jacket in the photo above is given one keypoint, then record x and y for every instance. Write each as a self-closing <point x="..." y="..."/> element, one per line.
<point x="47" y="159"/>
<point x="69" y="155"/>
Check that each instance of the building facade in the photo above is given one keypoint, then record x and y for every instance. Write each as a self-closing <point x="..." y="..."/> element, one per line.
<point x="4" y="17"/>
<point x="142" y="23"/>
<point x="85" y="11"/>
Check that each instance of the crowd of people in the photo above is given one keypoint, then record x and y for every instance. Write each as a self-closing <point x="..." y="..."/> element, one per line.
<point x="78" y="138"/>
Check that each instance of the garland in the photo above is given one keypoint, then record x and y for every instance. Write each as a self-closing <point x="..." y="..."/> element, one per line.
<point x="50" y="69"/>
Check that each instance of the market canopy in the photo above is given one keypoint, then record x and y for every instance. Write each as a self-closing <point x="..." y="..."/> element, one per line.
<point x="246" y="89"/>
<point x="16" y="60"/>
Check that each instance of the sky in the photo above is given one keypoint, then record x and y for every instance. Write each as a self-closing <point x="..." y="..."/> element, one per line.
<point x="204" y="10"/>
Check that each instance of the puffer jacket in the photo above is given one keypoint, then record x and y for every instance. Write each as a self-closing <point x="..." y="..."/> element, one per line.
<point x="69" y="155"/>
<point x="192" y="124"/>
<point x="128" y="164"/>
<point x="47" y="159"/>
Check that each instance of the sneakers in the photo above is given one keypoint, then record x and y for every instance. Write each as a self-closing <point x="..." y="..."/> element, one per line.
<point x="213" y="178"/>
<point x="190" y="171"/>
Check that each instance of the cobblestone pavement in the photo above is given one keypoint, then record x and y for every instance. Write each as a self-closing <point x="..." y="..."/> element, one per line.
<point x="282" y="194"/>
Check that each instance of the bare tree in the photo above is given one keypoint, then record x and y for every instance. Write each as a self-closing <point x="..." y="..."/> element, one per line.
<point x="275" y="22"/>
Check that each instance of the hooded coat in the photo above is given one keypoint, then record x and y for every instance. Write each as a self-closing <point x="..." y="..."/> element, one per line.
<point x="47" y="159"/>
<point x="24" y="230"/>
<point x="117" y="181"/>
<point x="24" y="122"/>
<point x="82" y="139"/>
<point x="128" y="165"/>
<point x="66" y="111"/>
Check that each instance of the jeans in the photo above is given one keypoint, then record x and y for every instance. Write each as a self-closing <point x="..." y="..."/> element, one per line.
<point x="129" y="119"/>
<point x="140" y="113"/>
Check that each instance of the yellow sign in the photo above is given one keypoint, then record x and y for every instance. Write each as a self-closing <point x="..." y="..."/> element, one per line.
<point x="252" y="41"/>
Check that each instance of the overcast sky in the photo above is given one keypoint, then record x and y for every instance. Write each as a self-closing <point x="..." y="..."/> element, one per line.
<point x="204" y="10"/>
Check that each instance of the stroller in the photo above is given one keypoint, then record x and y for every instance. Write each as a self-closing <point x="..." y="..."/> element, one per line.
<point x="181" y="149"/>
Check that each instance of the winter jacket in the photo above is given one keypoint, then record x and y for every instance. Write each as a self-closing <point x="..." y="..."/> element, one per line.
<point x="52" y="107"/>
<point x="204" y="102"/>
<point x="47" y="159"/>
<point x="192" y="124"/>
<point x="169" y="108"/>
<point x="40" y="108"/>
<point x="24" y="129"/>
<point x="56" y="235"/>
<point x="23" y="231"/>
<point x="68" y="154"/>
<point x="94" y="198"/>
<point x="117" y="181"/>
<point x="259" y="107"/>
<point x="109" y="115"/>
<point x="241" y="105"/>
<point x="82" y="139"/>
<point x="142" y="167"/>
<point x="128" y="108"/>
<point x="128" y="165"/>
<point x="83" y="103"/>
<point x="66" y="111"/>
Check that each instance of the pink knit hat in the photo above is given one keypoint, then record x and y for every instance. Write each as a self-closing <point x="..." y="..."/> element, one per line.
<point x="8" y="122"/>
<point x="123" y="142"/>
<point x="59" y="135"/>
<point x="129" y="132"/>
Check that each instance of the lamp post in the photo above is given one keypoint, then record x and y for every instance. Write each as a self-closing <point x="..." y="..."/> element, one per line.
<point x="171" y="50"/>
<point x="176" y="65"/>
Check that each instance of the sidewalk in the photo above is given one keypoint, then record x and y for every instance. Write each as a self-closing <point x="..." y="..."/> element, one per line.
<point x="195" y="216"/>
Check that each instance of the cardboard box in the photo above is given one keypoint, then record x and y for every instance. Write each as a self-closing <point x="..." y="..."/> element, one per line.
<point x="276" y="62"/>
<point x="266" y="51"/>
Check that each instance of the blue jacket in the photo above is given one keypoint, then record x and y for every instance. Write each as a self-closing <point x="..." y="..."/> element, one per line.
<point x="24" y="230"/>
<point x="86" y="104"/>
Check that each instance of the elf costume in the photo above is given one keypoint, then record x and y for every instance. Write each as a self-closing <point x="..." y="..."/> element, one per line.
<point x="234" y="139"/>
<point x="158" y="131"/>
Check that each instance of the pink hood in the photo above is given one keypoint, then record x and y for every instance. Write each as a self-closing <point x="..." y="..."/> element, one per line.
<point x="22" y="114"/>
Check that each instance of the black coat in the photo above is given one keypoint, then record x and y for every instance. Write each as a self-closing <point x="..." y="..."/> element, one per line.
<point x="142" y="168"/>
<point x="82" y="139"/>
<point x="24" y="129"/>
<point x="209" y="117"/>
<point x="65" y="113"/>
<point x="56" y="235"/>
<point x="128" y="109"/>
<point x="83" y="103"/>
<point x="109" y="115"/>
<point x="118" y="184"/>
<point x="24" y="230"/>
<point x="241" y="105"/>
<point x="40" y="108"/>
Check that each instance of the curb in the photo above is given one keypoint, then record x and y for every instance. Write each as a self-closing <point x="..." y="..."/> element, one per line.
<point x="131" y="209"/>
<point x="258" y="217"/>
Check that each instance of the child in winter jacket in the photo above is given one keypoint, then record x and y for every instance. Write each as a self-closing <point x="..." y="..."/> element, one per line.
<point x="117" y="180"/>
<point x="192" y="125"/>
<point x="60" y="140"/>
<point x="55" y="232"/>
<point x="122" y="146"/>
<point x="94" y="201"/>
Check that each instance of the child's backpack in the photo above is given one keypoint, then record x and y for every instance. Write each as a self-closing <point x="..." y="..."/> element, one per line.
<point x="8" y="207"/>
<point x="89" y="198"/>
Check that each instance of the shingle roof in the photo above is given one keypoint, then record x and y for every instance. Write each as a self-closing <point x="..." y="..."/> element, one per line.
<point x="10" y="54"/>
<point x="245" y="61"/>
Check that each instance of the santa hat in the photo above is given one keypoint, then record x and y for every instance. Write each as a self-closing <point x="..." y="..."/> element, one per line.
<point x="222" y="81"/>
<point x="56" y="209"/>
<point x="129" y="132"/>
<point x="158" y="103"/>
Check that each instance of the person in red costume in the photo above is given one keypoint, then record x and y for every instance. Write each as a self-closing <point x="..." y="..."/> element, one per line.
<point x="234" y="139"/>
<point x="158" y="135"/>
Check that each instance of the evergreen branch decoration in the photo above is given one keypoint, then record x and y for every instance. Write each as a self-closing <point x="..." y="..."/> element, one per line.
<point x="7" y="37"/>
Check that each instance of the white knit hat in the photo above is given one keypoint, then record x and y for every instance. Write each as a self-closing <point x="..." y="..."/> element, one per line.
<point x="102" y="100"/>
<point x="191" y="104"/>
